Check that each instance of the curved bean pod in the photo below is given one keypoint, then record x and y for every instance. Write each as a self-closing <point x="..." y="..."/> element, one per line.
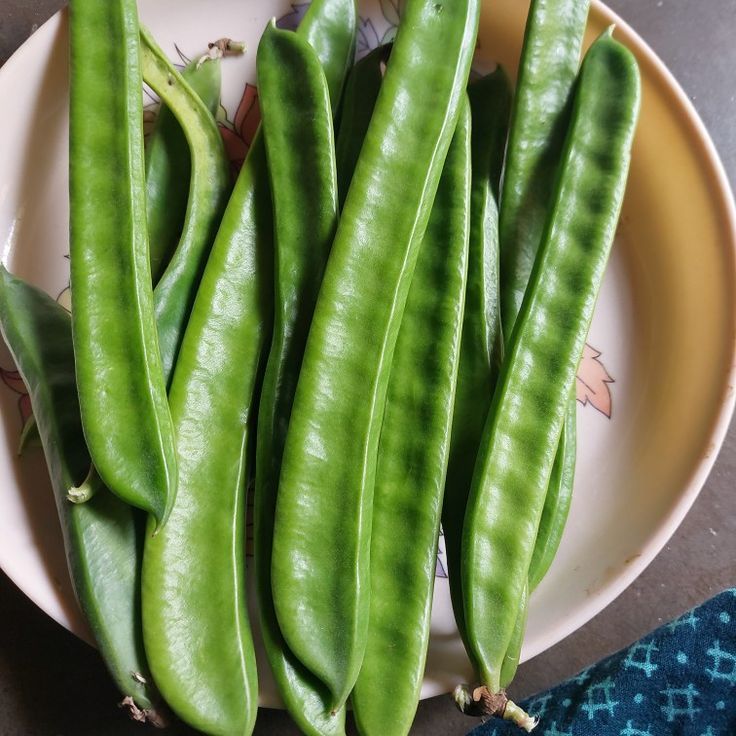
<point x="195" y="620"/>
<point x="122" y="392"/>
<point x="208" y="191"/>
<point x="528" y="410"/>
<point x="169" y="165"/>
<point x="297" y="130"/>
<point x="321" y="578"/>
<point x="513" y="653"/>
<point x="480" y="349"/>
<point x="101" y="537"/>
<point x="412" y="459"/>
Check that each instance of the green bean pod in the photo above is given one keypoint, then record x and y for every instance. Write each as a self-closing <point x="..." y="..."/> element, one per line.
<point x="208" y="191"/>
<point x="122" y="393"/>
<point x="170" y="141"/>
<point x="525" y="420"/>
<point x="195" y="620"/>
<point x="412" y="459"/>
<point x="547" y="72"/>
<point x="169" y="164"/>
<point x="297" y="129"/>
<point x="102" y="537"/>
<point x="540" y="115"/>
<point x="480" y="350"/>
<point x="321" y="578"/>
<point x="361" y="91"/>
<point x="330" y="28"/>
<point x="556" y="502"/>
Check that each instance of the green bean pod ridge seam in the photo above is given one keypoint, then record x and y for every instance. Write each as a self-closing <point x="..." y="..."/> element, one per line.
<point x="321" y="577"/>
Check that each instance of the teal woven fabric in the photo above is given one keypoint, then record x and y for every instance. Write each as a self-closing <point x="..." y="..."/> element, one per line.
<point x="680" y="680"/>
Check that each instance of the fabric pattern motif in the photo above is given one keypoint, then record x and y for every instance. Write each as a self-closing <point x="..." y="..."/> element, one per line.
<point x="680" y="680"/>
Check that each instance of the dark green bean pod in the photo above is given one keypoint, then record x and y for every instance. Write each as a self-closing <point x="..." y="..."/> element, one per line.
<point x="361" y="91"/>
<point x="168" y="166"/>
<point x="525" y="420"/>
<point x="321" y="577"/>
<point x="206" y="183"/>
<point x="480" y="351"/>
<point x="122" y="392"/>
<point x="556" y="502"/>
<point x="101" y="537"/>
<point x="330" y="28"/>
<point x="412" y="459"/>
<point x="208" y="192"/>
<point x="297" y="129"/>
<point x="547" y="71"/>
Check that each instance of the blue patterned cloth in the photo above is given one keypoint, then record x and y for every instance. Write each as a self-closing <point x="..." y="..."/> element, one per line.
<point x="679" y="680"/>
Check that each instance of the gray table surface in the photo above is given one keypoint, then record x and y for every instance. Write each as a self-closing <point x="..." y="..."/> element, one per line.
<point x="52" y="684"/>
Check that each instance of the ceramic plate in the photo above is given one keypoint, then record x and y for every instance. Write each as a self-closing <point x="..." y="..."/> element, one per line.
<point x="655" y="388"/>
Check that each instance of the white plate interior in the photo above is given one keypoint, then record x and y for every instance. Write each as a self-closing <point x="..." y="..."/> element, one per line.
<point x="639" y="470"/>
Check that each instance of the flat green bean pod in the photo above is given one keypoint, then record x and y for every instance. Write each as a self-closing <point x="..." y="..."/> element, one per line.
<point x="169" y="164"/>
<point x="122" y="393"/>
<point x="321" y="577"/>
<point x="525" y="420"/>
<point x="547" y="72"/>
<point x="195" y="621"/>
<point x="102" y="538"/>
<point x="297" y="129"/>
<point x="208" y="192"/>
<point x="169" y="149"/>
<point x="412" y="459"/>
<point x="480" y="350"/>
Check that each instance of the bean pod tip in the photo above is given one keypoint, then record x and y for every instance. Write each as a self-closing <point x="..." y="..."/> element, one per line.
<point x="481" y="702"/>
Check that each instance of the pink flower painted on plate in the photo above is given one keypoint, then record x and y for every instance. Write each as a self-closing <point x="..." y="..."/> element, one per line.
<point x="593" y="384"/>
<point x="239" y="133"/>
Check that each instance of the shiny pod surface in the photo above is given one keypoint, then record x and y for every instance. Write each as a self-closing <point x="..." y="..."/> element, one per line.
<point x="122" y="393"/>
<point x="412" y="459"/>
<point x="102" y="538"/>
<point x="525" y="421"/>
<point x="209" y="188"/>
<point x="297" y="130"/>
<point x="321" y="577"/>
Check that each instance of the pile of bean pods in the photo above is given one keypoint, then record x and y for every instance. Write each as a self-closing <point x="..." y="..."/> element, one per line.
<point x="368" y="330"/>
